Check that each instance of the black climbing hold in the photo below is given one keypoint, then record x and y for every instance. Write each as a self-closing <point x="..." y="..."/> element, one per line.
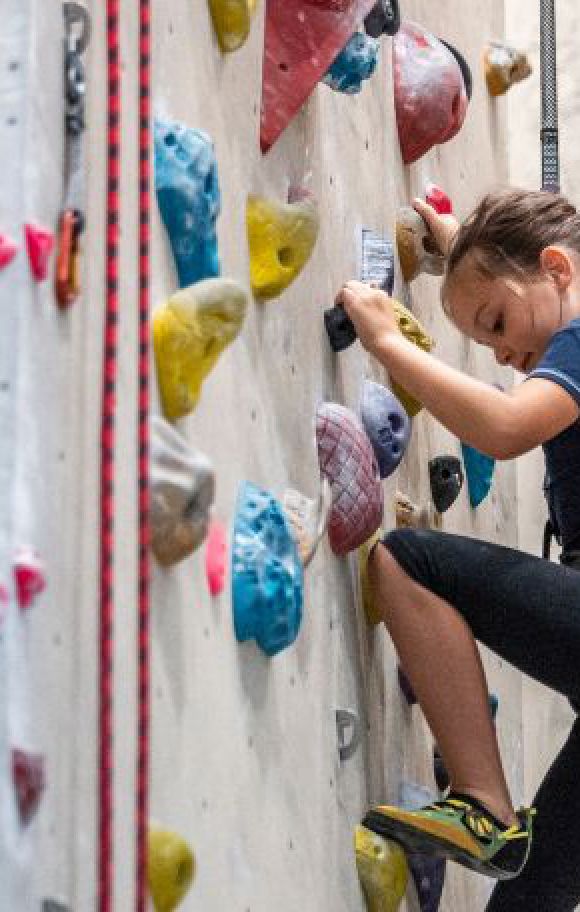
<point x="340" y="328"/>
<point x="446" y="478"/>
<point x="463" y="66"/>
<point x="383" y="19"/>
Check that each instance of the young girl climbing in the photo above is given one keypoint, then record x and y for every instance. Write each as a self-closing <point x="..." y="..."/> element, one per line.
<point x="512" y="283"/>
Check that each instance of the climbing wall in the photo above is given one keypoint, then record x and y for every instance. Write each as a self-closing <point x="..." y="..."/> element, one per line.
<point x="244" y="757"/>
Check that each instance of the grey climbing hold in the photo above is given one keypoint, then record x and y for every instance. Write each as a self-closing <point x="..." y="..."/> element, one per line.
<point x="347" y="720"/>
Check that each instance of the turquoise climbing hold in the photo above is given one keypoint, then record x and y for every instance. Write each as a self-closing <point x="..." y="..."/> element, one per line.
<point x="357" y="61"/>
<point x="188" y="194"/>
<point x="267" y="573"/>
<point x="479" y="470"/>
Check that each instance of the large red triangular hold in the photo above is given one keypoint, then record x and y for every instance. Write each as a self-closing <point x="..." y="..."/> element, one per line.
<point x="39" y="243"/>
<point x="29" y="782"/>
<point x="301" y="40"/>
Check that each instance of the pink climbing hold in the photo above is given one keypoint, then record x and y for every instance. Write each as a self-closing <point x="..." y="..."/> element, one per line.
<point x="4" y="602"/>
<point x="215" y="557"/>
<point x="8" y="250"/>
<point x="29" y="782"/>
<point x="347" y="459"/>
<point x="430" y="95"/>
<point x="29" y="577"/>
<point x="437" y="198"/>
<point x="39" y="243"/>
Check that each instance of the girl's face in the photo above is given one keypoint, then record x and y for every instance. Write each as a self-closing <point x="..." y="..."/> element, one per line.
<point x="513" y="318"/>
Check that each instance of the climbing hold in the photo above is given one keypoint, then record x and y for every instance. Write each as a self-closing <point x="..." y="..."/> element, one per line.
<point x="446" y="479"/>
<point x="357" y="61"/>
<point x="504" y="66"/>
<point x="170" y="868"/>
<point x="281" y="238"/>
<point x="339" y="328"/>
<point x="29" y="576"/>
<point x="430" y="91"/>
<point x="4" y="602"/>
<point x="298" y="50"/>
<point x="479" y="470"/>
<point x="231" y="21"/>
<point x="428" y="873"/>
<point x="267" y="574"/>
<point x="387" y="425"/>
<point x="215" y="557"/>
<point x="410" y="516"/>
<point x="416" y="246"/>
<point x="182" y="493"/>
<point x="369" y="604"/>
<point x="29" y="782"/>
<point x="377" y="260"/>
<point x="39" y="244"/>
<point x="189" y="333"/>
<point x="347" y="719"/>
<point x="437" y="198"/>
<point x="382" y="869"/>
<point x="188" y="194"/>
<point x="308" y="518"/>
<point x="405" y="686"/>
<point x="383" y="19"/>
<point x="412" y="330"/>
<point x="346" y="458"/>
<point x="54" y="905"/>
<point x="8" y="250"/>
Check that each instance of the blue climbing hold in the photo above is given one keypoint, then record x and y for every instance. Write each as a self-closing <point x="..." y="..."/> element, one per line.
<point x="267" y="573"/>
<point x="479" y="470"/>
<point x="186" y="183"/>
<point x="356" y="61"/>
<point x="429" y="876"/>
<point x="387" y="425"/>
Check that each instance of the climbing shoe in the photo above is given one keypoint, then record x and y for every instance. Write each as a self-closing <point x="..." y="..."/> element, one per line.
<point x="461" y="829"/>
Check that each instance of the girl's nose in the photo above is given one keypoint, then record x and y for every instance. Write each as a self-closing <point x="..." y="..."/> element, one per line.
<point x="503" y="356"/>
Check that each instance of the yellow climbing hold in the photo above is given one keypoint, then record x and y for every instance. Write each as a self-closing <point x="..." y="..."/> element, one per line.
<point x="281" y="238"/>
<point x="189" y="333"/>
<point x="170" y="869"/>
<point x="231" y="21"/>
<point x="382" y="869"/>
<point x="412" y="330"/>
<point x="370" y="608"/>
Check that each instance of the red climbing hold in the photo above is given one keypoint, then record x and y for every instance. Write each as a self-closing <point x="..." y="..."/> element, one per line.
<point x="301" y="40"/>
<point x="29" y="577"/>
<point x="8" y="250"/>
<point x="430" y="95"/>
<point x="215" y="557"/>
<point x="29" y="782"/>
<point x="437" y="198"/>
<point x="39" y="243"/>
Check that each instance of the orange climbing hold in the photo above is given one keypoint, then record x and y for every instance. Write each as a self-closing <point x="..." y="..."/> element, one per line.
<point x="301" y="40"/>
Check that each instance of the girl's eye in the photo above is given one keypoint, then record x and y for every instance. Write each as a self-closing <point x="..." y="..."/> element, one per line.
<point x="498" y="325"/>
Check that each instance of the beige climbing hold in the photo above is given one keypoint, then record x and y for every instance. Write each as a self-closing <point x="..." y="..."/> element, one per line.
<point x="182" y="494"/>
<point x="231" y="21"/>
<point x="418" y="252"/>
<point x="170" y="868"/>
<point x="308" y="518"/>
<point x="409" y="516"/>
<point x="371" y="611"/>
<point x="189" y="333"/>
<point x="412" y="330"/>
<point x="504" y="67"/>
<point x="281" y="238"/>
<point x="382" y="870"/>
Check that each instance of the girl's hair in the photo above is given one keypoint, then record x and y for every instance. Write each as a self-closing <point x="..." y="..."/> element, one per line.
<point x="509" y="229"/>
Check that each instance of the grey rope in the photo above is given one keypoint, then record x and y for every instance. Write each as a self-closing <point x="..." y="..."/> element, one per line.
<point x="549" y="80"/>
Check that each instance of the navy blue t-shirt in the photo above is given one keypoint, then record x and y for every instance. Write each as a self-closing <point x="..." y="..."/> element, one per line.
<point x="561" y="363"/>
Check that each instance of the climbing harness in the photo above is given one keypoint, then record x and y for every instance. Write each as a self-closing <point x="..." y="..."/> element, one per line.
<point x="549" y="80"/>
<point x="143" y="654"/>
<point x="77" y="25"/>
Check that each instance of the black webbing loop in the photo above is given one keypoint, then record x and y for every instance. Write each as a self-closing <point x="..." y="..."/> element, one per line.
<point x="549" y="81"/>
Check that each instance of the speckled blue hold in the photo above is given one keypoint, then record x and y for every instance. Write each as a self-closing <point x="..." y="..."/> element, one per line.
<point x="429" y="876"/>
<point x="267" y="573"/>
<point x="479" y="470"/>
<point x="186" y="182"/>
<point x="387" y="424"/>
<point x="356" y="61"/>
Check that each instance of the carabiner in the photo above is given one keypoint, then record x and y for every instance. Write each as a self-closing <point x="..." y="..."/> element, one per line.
<point x="67" y="283"/>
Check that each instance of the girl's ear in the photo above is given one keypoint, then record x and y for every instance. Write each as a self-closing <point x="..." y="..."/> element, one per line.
<point x="556" y="263"/>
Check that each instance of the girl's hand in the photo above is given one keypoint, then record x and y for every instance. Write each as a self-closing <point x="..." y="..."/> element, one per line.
<point x="371" y="311"/>
<point x="442" y="227"/>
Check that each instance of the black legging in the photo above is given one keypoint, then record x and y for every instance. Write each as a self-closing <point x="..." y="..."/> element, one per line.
<point x="527" y="610"/>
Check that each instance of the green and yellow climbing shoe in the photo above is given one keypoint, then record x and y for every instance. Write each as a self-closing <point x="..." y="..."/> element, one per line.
<point x="461" y="829"/>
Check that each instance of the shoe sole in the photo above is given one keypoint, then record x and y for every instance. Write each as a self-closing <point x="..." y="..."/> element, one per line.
<point x="414" y="840"/>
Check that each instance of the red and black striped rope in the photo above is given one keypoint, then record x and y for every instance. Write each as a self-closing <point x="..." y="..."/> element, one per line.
<point x="143" y="466"/>
<point x="106" y="619"/>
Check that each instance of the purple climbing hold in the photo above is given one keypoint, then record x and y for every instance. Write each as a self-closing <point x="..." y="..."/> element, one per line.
<point x="428" y="874"/>
<point x="387" y="425"/>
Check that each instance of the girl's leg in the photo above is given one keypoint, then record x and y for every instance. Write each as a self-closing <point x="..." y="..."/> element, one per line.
<point x="441" y="659"/>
